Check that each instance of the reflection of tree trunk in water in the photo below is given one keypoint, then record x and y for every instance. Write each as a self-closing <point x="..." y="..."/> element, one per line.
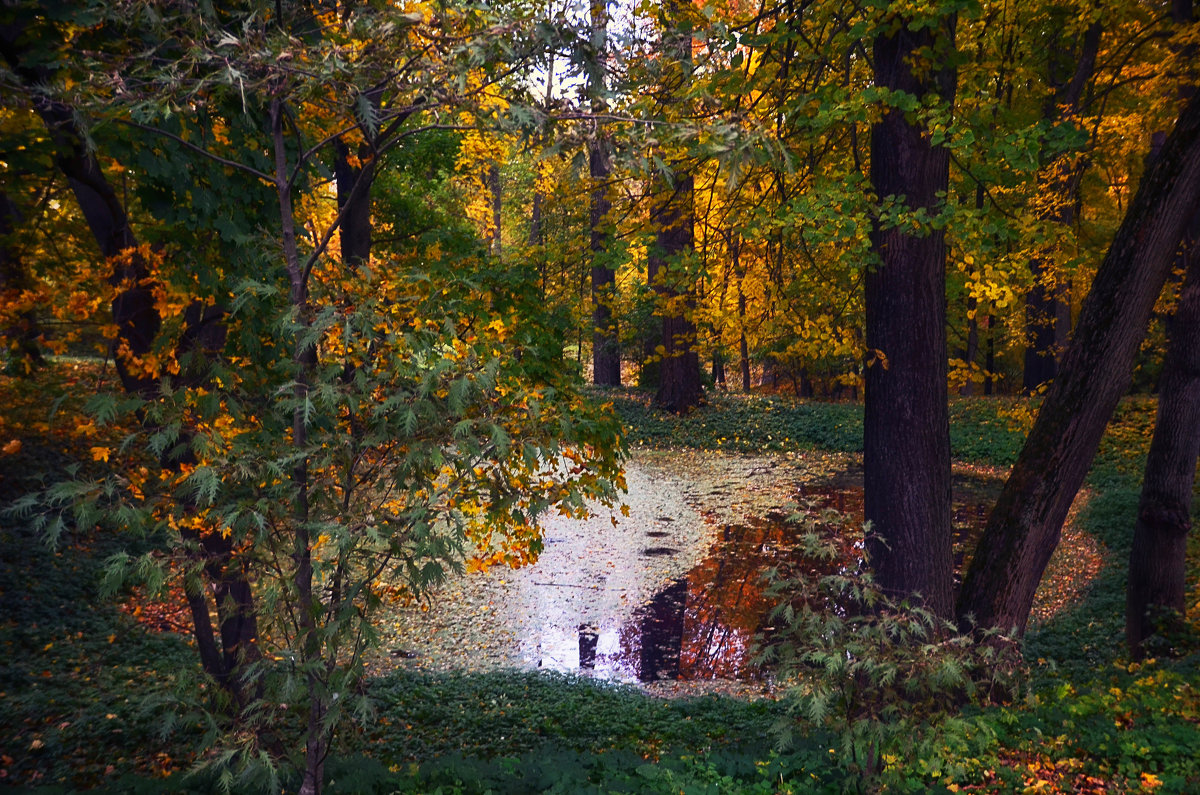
<point x="716" y="611"/>
<point x="589" y="639"/>
<point x="662" y="633"/>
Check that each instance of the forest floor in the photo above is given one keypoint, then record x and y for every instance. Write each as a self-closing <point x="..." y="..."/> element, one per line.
<point x="90" y="688"/>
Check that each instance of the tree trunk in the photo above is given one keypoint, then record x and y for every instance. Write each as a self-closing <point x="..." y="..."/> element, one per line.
<point x="354" y="203"/>
<point x="679" y="371"/>
<point x="492" y="179"/>
<point x="673" y="215"/>
<point x="316" y="740"/>
<point x="1157" y="588"/>
<point x="906" y="431"/>
<point x="1047" y="305"/>
<point x="138" y="323"/>
<point x="14" y="279"/>
<point x="606" y="345"/>
<point x="606" y="348"/>
<point x="743" y="344"/>
<point x="1158" y="559"/>
<point x="1024" y="527"/>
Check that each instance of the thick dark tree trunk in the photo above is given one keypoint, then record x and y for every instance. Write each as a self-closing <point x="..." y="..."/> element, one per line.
<point x="354" y="203"/>
<point x="133" y="308"/>
<point x="1024" y="527"/>
<point x="679" y="387"/>
<point x="906" y="432"/>
<point x="1158" y="559"/>
<point x="673" y="216"/>
<point x="138" y="323"/>
<point x="1157" y="587"/>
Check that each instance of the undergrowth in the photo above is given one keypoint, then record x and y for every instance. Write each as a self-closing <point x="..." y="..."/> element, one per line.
<point x="88" y="697"/>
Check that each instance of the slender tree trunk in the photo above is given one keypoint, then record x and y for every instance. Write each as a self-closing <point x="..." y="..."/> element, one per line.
<point x="1024" y="527"/>
<point x="1158" y="559"/>
<point x="735" y="253"/>
<point x="906" y="431"/>
<point x="316" y="744"/>
<point x="492" y="180"/>
<point x="989" y="359"/>
<point x="969" y="386"/>
<point x="606" y="345"/>
<point x="14" y="279"/>
<point x="1048" y="305"/>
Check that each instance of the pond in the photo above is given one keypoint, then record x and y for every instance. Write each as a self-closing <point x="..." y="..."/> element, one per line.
<point x="673" y="593"/>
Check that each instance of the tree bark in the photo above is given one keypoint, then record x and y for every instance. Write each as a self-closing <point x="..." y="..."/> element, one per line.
<point x="1157" y="585"/>
<point x="1024" y="527"/>
<point x="492" y="180"/>
<point x="354" y="204"/>
<point x="906" y="431"/>
<point x="673" y="215"/>
<point x="606" y="346"/>
<point x="679" y="388"/>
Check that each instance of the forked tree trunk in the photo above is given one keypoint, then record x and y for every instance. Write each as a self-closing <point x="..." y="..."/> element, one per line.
<point x="906" y="430"/>
<point x="1024" y="527"/>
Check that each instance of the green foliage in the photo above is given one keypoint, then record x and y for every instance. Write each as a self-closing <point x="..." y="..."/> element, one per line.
<point x="890" y="680"/>
<point x="427" y="716"/>
<point x="85" y="694"/>
<point x="989" y="431"/>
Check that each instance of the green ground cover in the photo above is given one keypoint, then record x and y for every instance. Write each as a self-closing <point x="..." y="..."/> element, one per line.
<point x="89" y="699"/>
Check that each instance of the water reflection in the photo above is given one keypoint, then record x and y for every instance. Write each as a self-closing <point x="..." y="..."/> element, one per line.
<point x="703" y="625"/>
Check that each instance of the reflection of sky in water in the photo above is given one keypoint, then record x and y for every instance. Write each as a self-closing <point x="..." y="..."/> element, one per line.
<point x="596" y="603"/>
<point x="591" y="578"/>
